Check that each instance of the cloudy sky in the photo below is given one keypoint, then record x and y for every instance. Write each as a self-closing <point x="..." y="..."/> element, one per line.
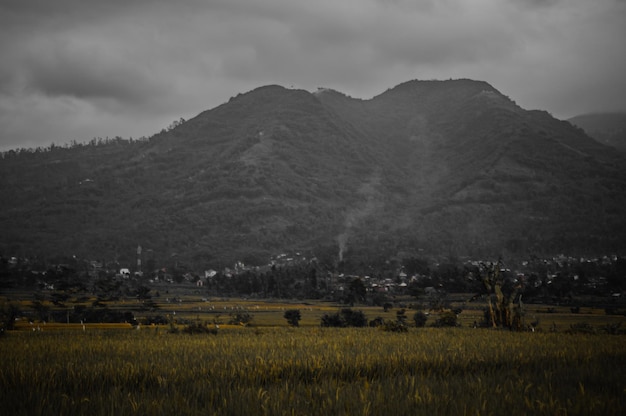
<point x="78" y="69"/>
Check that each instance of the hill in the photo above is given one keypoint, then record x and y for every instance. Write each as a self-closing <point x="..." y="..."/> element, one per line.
<point x="607" y="128"/>
<point x="429" y="167"/>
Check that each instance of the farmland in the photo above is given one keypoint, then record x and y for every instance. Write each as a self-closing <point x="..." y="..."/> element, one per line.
<point x="270" y="368"/>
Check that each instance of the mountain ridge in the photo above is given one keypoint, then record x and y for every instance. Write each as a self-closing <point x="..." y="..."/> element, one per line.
<point x="607" y="128"/>
<point x="442" y="167"/>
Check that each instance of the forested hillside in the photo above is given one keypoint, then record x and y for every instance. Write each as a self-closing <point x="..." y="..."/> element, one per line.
<point x="437" y="167"/>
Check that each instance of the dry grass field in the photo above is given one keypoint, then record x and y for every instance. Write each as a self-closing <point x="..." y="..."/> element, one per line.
<point x="278" y="371"/>
<point x="269" y="368"/>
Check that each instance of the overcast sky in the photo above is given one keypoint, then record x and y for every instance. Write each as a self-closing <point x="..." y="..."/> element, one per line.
<point x="78" y="69"/>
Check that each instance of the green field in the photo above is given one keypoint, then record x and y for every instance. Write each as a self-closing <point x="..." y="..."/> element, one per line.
<point x="311" y="371"/>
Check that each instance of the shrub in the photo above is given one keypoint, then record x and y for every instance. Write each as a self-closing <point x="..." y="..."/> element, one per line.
<point x="293" y="317"/>
<point x="447" y="318"/>
<point x="173" y="329"/>
<point x="354" y="318"/>
<point x="420" y="319"/>
<point x="614" y="311"/>
<point x="333" y="320"/>
<point x="91" y="314"/>
<point x="8" y="313"/>
<point x="401" y="316"/>
<point x="376" y="322"/>
<point x="394" y="326"/>
<point x="613" y="329"/>
<point x="581" y="328"/>
<point x="345" y="317"/>
<point x="199" y="328"/>
<point x="155" y="319"/>
<point x="241" y="318"/>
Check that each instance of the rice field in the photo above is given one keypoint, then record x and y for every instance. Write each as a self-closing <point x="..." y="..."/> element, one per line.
<point x="311" y="371"/>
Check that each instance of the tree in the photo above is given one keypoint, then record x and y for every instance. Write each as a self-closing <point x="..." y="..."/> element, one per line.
<point x="42" y="310"/>
<point x="293" y="317"/>
<point x="501" y="295"/>
<point x="415" y="290"/>
<point x="142" y="292"/>
<point x="356" y="291"/>
<point x="415" y="265"/>
<point x="313" y="278"/>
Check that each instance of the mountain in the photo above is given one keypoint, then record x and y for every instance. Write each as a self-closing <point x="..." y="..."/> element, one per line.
<point x="607" y="128"/>
<point x="429" y="167"/>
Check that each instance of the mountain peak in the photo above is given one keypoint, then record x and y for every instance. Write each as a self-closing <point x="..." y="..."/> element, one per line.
<point x="422" y="86"/>
<point x="269" y="92"/>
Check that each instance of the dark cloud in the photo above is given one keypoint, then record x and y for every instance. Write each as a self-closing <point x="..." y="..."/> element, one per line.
<point x="128" y="68"/>
<point x="538" y="3"/>
<point x="89" y="72"/>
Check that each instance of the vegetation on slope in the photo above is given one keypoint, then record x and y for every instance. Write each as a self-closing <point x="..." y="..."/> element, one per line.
<point x="607" y="128"/>
<point x="448" y="167"/>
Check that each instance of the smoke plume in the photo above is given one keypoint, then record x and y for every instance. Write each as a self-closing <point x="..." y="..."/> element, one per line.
<point x="370" y="202"/>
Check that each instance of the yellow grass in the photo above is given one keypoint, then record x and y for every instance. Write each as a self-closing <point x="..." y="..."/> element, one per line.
<point x="329" y="371"/>
<point x="41" y="326"/>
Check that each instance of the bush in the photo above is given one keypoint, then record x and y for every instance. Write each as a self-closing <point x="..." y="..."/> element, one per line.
<point x="401" y="316"/>
<point x="420" y="319"/>
<point x="8" y="313"/>
<point x="99" y="315"/>
<point x="333" y="320"/>
<point x="395" y="326"/>
<point x="376" y="322"/>
<point x="241" y="318"/>
<point x="613" y="311"/>
<point x="613" y="329"/>
<point x="447" y="318"/>
<point x="581" y="328"/>
<point x="199" y="328"/>
<point x="344" y="318"/>
<point x="155" y="319"/>
<point x="354" y="318"/>
<point x="293" y="317"/>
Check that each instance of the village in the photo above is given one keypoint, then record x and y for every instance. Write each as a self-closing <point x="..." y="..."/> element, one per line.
<point x="292" y="275"/>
